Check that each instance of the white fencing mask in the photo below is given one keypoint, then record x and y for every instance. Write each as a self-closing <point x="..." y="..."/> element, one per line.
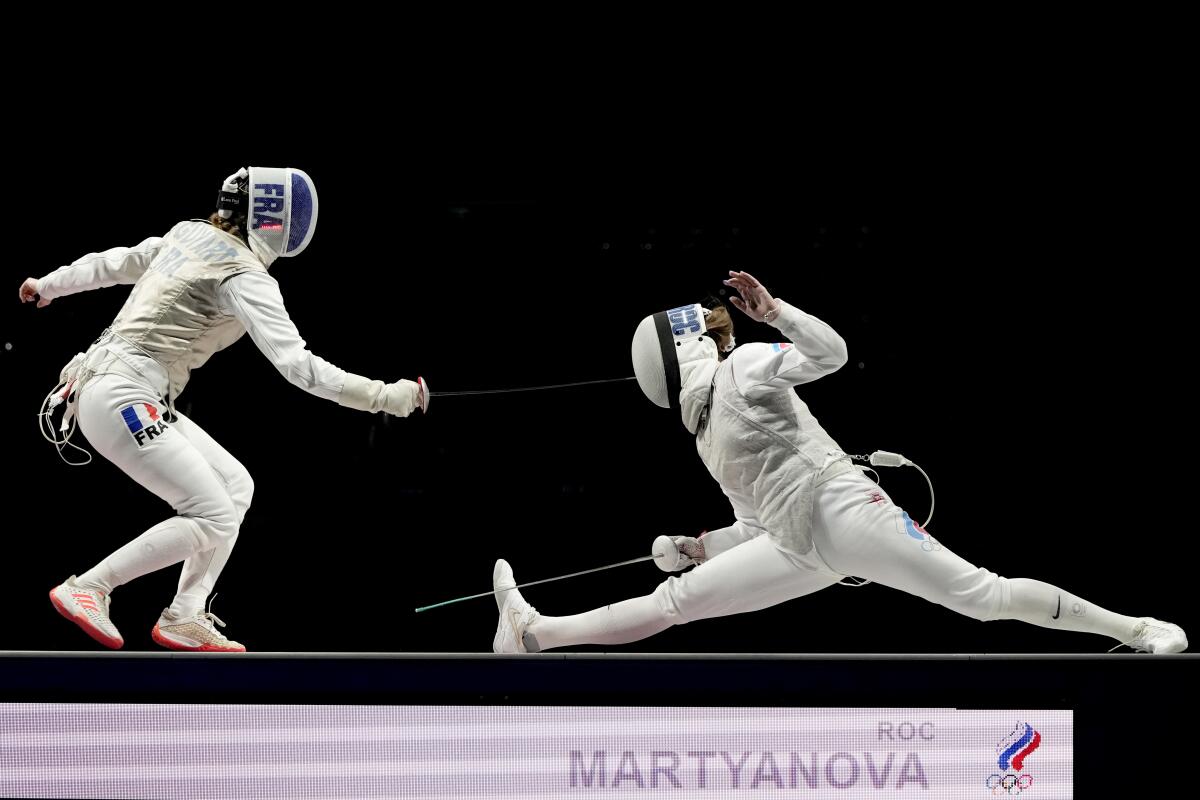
<point x="280" y="204"/>
<point x="662" y="343"/>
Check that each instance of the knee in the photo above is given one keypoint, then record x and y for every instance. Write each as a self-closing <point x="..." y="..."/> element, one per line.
<point x="219" y="521"/>
<point x="683" y="598"/>
<point x="241" y="491"/>
<point x="671" y="600"/>
<point x="979" y="595"/>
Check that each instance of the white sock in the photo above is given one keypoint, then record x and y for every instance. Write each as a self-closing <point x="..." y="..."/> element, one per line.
<point x="167" y="543"/>
<point x="619" y="623"/>
<point x="1042" y="604"/>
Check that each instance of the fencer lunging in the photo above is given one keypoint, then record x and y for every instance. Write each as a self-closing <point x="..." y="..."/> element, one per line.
<point x="806" y="518"/>
<point x="195" y="292"/>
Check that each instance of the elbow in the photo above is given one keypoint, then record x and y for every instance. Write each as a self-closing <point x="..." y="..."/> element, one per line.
<point x="296" y="368"/>
<point x="838" y="354"/>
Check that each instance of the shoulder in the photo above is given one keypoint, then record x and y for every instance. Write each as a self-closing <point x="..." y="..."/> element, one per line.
<point x="178" y="228"/>
<point x="752" y="351"/>
<point x="250" y="277"/>
<point x="251" y="290"/>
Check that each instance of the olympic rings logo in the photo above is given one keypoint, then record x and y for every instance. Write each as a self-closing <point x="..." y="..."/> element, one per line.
<point x="1011" y="752"/>
<point x="1008" y="783"/>
<point x="907" y="526"/>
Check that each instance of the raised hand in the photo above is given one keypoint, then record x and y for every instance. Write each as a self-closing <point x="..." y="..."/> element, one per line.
<point x="754" y="300"/>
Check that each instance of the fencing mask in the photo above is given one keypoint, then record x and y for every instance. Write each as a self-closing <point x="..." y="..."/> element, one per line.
<point x="280" y="204"/>
<point x="665" y="342"/>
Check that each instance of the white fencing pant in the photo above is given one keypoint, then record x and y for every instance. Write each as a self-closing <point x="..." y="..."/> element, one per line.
<point x="858" y="531"/>
<point x="122" y="417"/>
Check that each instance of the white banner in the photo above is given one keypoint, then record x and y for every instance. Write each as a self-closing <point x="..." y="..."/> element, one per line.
<point x="270" y="751"/>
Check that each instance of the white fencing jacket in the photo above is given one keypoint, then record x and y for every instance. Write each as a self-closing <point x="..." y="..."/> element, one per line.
<point x="758" y="438"/>
<point x="196" y="291"/>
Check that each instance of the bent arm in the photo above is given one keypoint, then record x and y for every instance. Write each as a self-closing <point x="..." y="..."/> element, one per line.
<point x="120" y="265"/>
<point x="815" y="350"/>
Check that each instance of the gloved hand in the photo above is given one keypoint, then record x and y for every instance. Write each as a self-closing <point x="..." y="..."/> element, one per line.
<point x="675" y="553"/>
<point x="399" y="399"/>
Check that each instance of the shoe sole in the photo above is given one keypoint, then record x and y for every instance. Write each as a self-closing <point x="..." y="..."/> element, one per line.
<point x="85" y="624"/>
<point x="161" y="638"/>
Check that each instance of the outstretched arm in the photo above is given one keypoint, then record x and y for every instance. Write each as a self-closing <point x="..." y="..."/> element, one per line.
<point x="120" y="265"/>
<point x="254" y="298"/>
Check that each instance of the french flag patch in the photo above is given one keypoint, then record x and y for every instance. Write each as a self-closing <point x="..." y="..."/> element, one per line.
<point x="779" y="347"/>
<point x="143" y="421"/>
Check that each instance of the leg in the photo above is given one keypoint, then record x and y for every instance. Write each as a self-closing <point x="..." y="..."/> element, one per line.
<point x="748" y="577"/>
<point x="201" y="570"/>
<point x="162" y="460"/>
<point x="858" y="531"/>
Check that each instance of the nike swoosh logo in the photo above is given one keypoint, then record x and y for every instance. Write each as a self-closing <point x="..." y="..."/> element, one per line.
<point x="1057" y="608"/>
<point x="515" y="624"/>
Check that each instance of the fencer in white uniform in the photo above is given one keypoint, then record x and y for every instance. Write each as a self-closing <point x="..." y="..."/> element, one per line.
<point x="195" y="292"/>
<point x="805" y="516"/>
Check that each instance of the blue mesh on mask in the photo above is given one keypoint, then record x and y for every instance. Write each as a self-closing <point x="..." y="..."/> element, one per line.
<point x="301" y="212"/>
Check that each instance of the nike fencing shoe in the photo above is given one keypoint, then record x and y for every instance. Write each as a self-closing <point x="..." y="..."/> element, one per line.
<point x="515" y="614"/>
<point x="1154" y="636"/>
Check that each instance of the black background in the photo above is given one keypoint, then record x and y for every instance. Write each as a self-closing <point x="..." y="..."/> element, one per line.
<point x="1008" y="263"/>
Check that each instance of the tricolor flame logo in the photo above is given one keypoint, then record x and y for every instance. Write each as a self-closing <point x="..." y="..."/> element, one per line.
<point x="1017" y="747"/>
